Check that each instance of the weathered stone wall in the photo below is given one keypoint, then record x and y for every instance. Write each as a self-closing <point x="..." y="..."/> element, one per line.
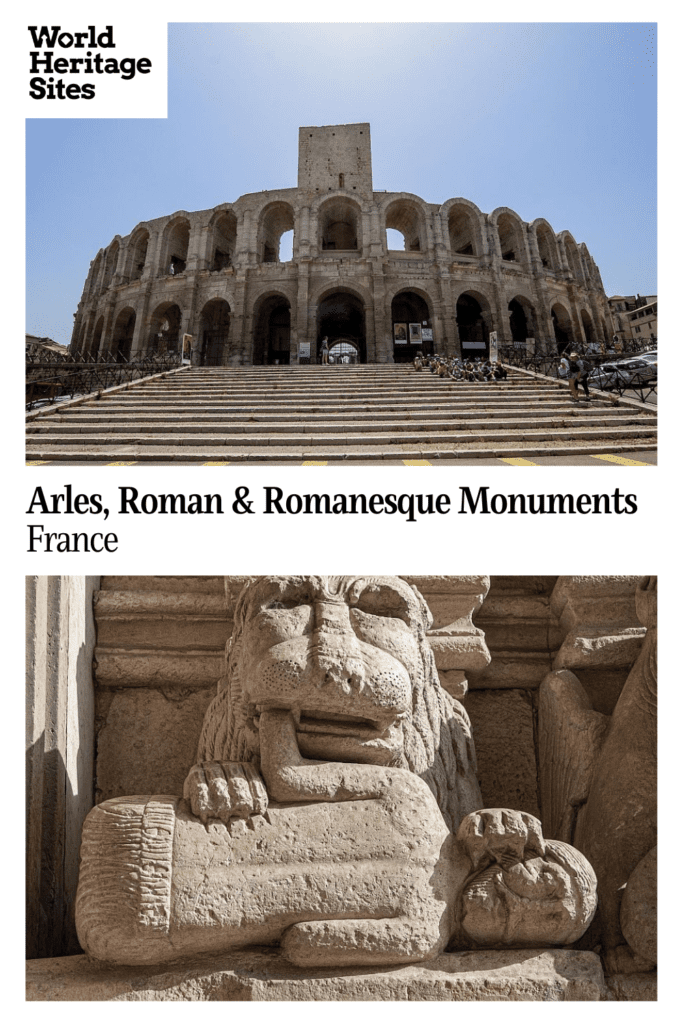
<point x="225" y="264"/>
<point x="160" y="653"/>
<point x="60" y="750"/>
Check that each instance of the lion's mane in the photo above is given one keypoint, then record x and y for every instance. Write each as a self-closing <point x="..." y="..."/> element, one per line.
<point x="437" y="736"/>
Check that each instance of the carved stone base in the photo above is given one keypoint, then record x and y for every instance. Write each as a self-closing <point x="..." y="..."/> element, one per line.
<point x="262" y="974"/>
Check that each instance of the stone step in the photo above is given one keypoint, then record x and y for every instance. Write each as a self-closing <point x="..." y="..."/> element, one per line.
<point x="299" y="413"/>
<point x="374" y="436"/>
<point x="365" y="453"/>
<point x="374" y="426"/>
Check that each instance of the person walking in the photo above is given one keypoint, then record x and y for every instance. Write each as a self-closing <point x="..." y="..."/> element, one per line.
<point x="325" y="351"/>
<point x="578" y="374"/>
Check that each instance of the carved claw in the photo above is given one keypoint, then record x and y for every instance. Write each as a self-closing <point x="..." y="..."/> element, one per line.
<point x="225" y="791"/>
<point x="508" y="837"/>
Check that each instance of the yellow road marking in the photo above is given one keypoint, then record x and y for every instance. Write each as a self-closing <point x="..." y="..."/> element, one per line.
<point x="311" y="463"/>
<point x="215" y="463"/>
<point x="620" y="460"/>
<point x="120" y="463"/>
<point x="416" y="462"/>
<point x="38" y="462"/>
<point x="519" y="462"/>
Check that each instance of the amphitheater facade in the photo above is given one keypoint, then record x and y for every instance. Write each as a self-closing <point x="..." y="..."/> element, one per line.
<point x="216" y="275"/>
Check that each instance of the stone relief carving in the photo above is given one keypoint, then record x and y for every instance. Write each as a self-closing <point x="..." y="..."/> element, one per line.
<point x="333" y="808"/>
<point x="599" y="790"/>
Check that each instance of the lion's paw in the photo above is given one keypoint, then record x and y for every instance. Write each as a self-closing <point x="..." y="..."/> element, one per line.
<point x="225" y="791"/>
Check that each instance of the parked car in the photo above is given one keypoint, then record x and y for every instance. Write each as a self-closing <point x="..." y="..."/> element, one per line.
<point x="603" y="377"/>
<point x="638" y="370"/>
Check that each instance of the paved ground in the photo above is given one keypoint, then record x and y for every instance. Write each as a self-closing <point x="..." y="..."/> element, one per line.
<point x="627" y="459"/>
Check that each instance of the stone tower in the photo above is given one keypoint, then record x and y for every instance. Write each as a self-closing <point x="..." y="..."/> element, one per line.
<point x="334" y="157"/>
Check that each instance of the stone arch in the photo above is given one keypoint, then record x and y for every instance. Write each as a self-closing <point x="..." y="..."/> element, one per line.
<point x="345" y="350"/>
<point x="562" y="326"/>
<point x="474" y="320"/>
<point x="464" y="223"/>
<point x="339" y="225"/>
<point x="174" y="246"/>
<point x="96" y="339"/>
<point x="341" y="315"/>
<point x="110" y="262"/>
<point x="406" y="216"/>
<point x="588" y="329"/>
<point x="164" y="330"/>
<point x="214" y="325"/>
<point x="411" y="313"/>
<point x="523" y="319"/>
<point x="272" y="329"/>
<point x="122" y="335"/>
<point x="511" y="235"/>
<point x="572" y="253"/>
<point x="136" y="256"/>
<point x="96" y="270"/>
<point x="275" y="219"/>
<point x="547" y="245"/>
<point x="223" y="229"/>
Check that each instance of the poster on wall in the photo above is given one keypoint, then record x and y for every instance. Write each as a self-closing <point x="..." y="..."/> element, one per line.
<point x="400" y="334"/>
<point x="427" y="334"/>
<point x="493" y="346"/>
<point x="415" y="334"/>
<point x="304" y="350"/>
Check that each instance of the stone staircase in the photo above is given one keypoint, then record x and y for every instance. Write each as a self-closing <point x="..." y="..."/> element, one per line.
<point x="299" y="413"/>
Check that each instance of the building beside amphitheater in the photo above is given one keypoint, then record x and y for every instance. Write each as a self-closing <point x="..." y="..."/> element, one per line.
<point x="217" y="275"/>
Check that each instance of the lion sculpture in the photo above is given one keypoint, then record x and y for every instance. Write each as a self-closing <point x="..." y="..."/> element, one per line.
<point x="333" y="809"/>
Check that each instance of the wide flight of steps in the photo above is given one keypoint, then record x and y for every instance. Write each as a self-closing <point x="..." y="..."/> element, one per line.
<point x="271" y="413"/>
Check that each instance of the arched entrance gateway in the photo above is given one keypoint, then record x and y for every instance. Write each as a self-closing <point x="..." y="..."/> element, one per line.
<point x="164" y="334"/>
<point x="472" y="328"/>
<point x="344" y="352"/>
<point x="341" y="317"/>
<point x="562" y="326"/>
<point x="411" y="325"/>
<point x="122" y="339"/>
<point x="272" y="332"/>
<point x="215" y="328"/>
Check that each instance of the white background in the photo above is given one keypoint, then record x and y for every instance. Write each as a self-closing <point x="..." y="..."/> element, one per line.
<point x="644" y="543"/>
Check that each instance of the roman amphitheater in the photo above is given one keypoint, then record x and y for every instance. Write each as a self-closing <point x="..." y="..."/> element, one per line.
<point x="218" y="275"/>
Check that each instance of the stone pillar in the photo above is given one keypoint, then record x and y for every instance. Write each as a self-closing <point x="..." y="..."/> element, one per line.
<point x="601" y="632"/>
<point x="303" y="243"/>
<point x="442" y="249"/>
<point x="383" y="340"/>
<point x="376" y="239"/>
<point x="366" y="231"/>
<point x="240" y="345"/>
<point x="60" y="743"/>
<point x="302" y="326"/>
<point x="458" y="645"/>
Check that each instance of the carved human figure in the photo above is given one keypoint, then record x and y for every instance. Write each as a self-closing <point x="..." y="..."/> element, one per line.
<point x="333" y="808"/>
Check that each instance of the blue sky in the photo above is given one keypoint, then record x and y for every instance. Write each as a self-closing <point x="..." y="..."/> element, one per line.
<point x="552" y="120"/>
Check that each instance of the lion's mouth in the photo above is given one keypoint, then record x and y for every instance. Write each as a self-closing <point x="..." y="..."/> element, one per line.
<point x="332" y="724"/>
<point x="329" y="723"/>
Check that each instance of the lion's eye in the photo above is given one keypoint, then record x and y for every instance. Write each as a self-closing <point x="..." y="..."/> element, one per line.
<point x="286" y="604"/>
<point x="384" y="603"/>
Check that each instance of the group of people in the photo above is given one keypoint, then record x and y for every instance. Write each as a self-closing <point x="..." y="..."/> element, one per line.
<point x="459" y="369"/>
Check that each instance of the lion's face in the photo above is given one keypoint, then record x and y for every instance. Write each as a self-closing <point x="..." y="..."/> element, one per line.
<point x="341" y="653"/>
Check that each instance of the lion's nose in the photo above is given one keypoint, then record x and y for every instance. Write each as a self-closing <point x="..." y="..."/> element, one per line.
<point x="338" y="653"/>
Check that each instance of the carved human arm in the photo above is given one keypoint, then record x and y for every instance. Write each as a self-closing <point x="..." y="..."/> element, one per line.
<point x="290" y="778"/>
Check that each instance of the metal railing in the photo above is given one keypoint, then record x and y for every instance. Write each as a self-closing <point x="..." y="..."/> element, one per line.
<point x="50" y="377"/>
<point x="642" y="384"/>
